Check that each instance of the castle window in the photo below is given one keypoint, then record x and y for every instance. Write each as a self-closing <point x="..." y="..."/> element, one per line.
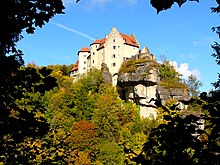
<point x="113" y="40"/>
<point x="114" y="47"/>
<point x="114" y="64"/>
<point x="93" y="53"/>
<point x="84" y="68"/>
<point x="84" y="55"/>
<point x="93" y="61"/>
<point x="84" y="62"/>
<point x="113" y="56"/>
<point x="118" y="46"/>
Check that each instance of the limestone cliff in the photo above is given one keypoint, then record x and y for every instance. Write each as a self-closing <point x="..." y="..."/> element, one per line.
<point x="141" y="85"/>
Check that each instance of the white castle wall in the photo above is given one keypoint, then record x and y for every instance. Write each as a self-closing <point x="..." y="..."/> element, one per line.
<point x="83" y="66"/>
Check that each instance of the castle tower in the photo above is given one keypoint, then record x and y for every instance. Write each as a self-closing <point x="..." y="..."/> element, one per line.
<point x="82" y="58"/>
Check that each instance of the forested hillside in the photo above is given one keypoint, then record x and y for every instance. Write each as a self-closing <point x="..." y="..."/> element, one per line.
<point x="70" y="123"/>
<point x="52" y="120"/>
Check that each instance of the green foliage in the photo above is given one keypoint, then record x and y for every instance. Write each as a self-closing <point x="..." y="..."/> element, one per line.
<point x="84" y="91"/>
<point x="64" y="69"/>
<point x="106" y="117"/>
<point x="168" y="72"/>
<point x="21" y="114"/>
<point x="59" y="108"/>
<point x="88" y="122"/>
<point x="131" y="143"/>
<point x="193" y="84"/>
<point x="148" y="124"/>
<point x="212" y="136"/>
<point x="173" y="140"/>
<point x="71" y="110"/>
<point x="109" y="153"/>
<point x="170" y="78"/>
<point x="196" y="104"/>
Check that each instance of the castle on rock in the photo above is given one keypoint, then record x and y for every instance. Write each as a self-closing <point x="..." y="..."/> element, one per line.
<point x="111" y="50"/>
<point x="140" y="86"/>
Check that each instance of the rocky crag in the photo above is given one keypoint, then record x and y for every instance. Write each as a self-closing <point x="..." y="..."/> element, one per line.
<point x="142" y="86"/>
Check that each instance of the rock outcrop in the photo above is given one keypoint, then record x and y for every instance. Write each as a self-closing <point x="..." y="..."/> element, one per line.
<point x="145" y="74"/>
<point x="106" y="73"/>
<point x="142" y="87"/>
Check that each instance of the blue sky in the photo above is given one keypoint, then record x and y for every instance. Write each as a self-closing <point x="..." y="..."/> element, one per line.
<point x="183" y="35"/>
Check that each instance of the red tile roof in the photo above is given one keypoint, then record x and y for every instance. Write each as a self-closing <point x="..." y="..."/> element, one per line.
<point x="75" y="67"/>
<point x="84" y="49"/>
<point x="130" y="40"/>
<point x="95" y="42"/>
<point x="102" y="42"/>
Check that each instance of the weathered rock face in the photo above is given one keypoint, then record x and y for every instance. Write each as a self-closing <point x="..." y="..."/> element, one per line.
<point x="142" y="88"/>
<point x="174" y="93"/>
<point x="106" y="73"/>
<point x="144" y="74"/>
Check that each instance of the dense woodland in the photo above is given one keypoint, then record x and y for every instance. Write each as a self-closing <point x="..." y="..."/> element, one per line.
<point x="45" y="118"/>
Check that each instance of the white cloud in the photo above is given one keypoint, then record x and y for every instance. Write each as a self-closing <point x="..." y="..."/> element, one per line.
<point x="183" y="69"/>
<point x="73" y="30"/>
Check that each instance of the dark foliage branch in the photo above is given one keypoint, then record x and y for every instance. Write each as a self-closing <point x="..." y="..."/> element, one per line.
<point x="160" y="5"/>
<point x="19" y="15"/>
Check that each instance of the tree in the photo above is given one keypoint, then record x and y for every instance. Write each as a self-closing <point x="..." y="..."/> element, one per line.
<point x="20" y="117"/>
<point x="193" y="83"/>
<point x="82" y="140"/>
<point x="21" y="111"/>
<point x="169" y="77"/>
<point x="174" y="140"/>
<point x="84" y="91"/>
